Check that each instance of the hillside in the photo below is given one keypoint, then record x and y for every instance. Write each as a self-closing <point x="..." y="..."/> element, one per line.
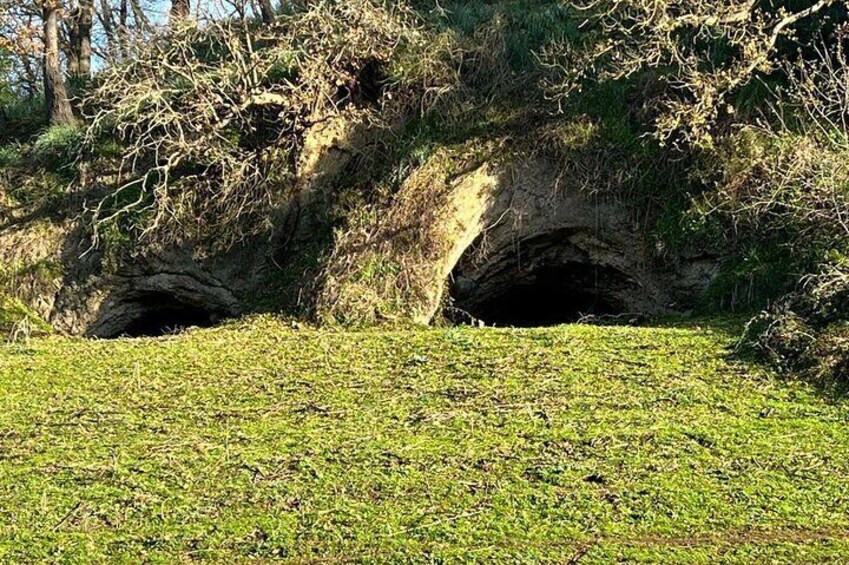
<point x="262" y="440"/>
<point x="360" y="163"/>
<point x="424" y="281"/>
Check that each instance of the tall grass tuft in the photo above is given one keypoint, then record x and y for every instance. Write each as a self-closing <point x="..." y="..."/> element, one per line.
<point x="58" y="147"/>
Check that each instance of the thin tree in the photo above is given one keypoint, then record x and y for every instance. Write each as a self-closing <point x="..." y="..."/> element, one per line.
<point x="180" y="9"/>
<point x="79" y="39"/>
<point x="267" y="11"/>
<point x="57" y="105"/>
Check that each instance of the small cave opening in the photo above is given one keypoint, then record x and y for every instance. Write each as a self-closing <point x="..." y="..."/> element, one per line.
<point x="155" y="314"/>
<point x="366" y="85"/>
<point x="547" y="295"/>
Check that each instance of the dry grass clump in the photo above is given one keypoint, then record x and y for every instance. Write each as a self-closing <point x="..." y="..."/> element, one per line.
<point x="782" y="182"/>
<point x="808" y="332"/>
<point x="18" y="322"/>
<point x="388" y="264"/>
<point x="790" y="182"/>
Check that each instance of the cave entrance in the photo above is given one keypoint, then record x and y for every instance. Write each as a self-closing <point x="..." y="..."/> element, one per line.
<point x="542" y="296"/>
<point x="156" y="314"/>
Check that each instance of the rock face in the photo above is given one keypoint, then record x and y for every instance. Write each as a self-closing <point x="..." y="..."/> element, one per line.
<point x="145" y="297"/>
<point x="511" y="244"/>
<point x="505" y="242"/>
<point x="551" y="255"/>
<point x="163" y="290"/>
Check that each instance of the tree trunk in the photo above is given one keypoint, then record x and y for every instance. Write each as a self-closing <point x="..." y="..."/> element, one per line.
<point x="55" y="96"/>
<point x="180" y="9"/>
<point x="105" y="16"/>
<point x="123" y="29"/>
<point x="267" y="10"/>
<point x="79" y="39"/>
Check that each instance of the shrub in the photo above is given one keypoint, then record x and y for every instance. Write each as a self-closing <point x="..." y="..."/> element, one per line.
<point x="21" y="119"/>
<point x="790" y="183"/>
<point x="807" y="332"/>
<point x="9" y="155"/>
<point x="57" y="148"/>
<point x="213" y="118"/>
<point x="37" y="175"/>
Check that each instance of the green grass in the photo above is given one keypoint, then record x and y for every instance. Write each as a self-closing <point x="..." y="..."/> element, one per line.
<point x="15" y="315"/>
<point x="528" y="24"/>
<point x="259" y="441"/>
<point x="57" y="147"/>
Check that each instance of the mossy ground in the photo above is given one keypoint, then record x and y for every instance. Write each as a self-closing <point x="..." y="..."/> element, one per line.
<point x="262" y="441"/>
<point x="15" y="315"/>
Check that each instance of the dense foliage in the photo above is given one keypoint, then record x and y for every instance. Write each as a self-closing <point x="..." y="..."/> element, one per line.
<point x="213" y="117"/>
<point x="757" y="92"/>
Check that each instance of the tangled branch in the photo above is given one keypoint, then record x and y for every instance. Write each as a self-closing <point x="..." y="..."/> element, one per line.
<point x="705" y="51"/>
<point x="212" y="118"/>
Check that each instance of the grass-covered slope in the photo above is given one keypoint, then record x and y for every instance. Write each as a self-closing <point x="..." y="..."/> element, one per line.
<point x="262" y="441"/>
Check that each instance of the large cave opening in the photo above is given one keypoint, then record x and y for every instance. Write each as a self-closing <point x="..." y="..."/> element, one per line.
<point x="548" y="296"/>
<point x="547" y="279"/>
<point x="155" y="314"/>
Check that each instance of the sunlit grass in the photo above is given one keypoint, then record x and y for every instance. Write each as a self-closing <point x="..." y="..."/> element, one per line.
<point x="264" y="441"/>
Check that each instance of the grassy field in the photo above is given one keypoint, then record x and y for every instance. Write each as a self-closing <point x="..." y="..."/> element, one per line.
<point x="261" y="442"/>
